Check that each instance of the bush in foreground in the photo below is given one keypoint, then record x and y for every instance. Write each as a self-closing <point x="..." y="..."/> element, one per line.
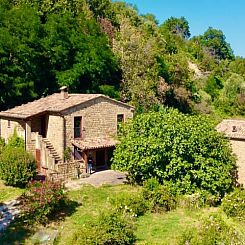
<point x="213" y="229"/>
<point x="233" y="204"/>
<point x="159" y="197"/>
<point x="17" y="166"/>
<point x="111" y="229"/>
<point x="42" y="199"/>
<point x="184" y="151"/>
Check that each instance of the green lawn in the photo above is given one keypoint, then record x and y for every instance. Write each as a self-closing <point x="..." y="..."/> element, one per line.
<point x="88" y="202"/>
<point x="8" y="193"/>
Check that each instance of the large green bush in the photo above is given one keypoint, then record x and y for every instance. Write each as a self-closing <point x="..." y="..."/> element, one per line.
<point x="185" y="151"/>
<point x="17" y="166"/>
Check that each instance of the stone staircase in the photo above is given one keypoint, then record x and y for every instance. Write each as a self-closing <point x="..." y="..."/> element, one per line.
<point x="52" y="150"/>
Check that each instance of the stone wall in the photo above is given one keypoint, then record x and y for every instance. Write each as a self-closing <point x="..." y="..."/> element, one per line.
<point x="99" y="118"/>
<point x="69" y="170"/>
<point x="55" y="133"/>
<point x="7" y="128"/>
<point x="238" y="147"/>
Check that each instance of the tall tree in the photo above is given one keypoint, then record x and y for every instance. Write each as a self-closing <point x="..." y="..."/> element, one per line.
<point x="20" y="34"/>
<point x="215" y="41"/>
<point x="79" y="53"/>
<point x="177" y="26"/>
<point x="137" y="53"/>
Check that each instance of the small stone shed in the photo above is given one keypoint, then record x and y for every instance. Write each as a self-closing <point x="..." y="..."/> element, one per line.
<point x="82" y="124"/>
<point x="235" y="131"/>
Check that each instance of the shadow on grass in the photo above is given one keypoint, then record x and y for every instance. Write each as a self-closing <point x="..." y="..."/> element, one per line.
<point x="23" y="227"/>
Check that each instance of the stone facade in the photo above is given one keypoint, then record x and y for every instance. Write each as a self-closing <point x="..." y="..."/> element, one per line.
<point x="55" y="133"/>
<point x="7" y="128"/>
<point x="99" y="119"/>
<point x="238" y="147"/>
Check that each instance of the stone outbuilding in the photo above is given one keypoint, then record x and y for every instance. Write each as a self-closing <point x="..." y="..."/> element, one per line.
<point x="65" y="127"/>
<point x="235" y="131"/>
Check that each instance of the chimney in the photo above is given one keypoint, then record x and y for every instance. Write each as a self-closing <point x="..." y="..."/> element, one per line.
<point x="64" y="92"/>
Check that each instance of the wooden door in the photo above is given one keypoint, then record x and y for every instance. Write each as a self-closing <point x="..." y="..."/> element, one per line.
<point x="38" y="159"/>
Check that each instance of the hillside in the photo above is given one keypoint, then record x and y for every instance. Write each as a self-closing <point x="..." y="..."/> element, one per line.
<point x="108" y="47"/>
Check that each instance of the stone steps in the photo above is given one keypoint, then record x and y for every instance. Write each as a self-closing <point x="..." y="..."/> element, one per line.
<point x="52" y="150"/>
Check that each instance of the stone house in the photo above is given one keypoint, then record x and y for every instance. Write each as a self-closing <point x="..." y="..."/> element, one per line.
<point x="235" y="131"/>
<point x="81" y="125"/>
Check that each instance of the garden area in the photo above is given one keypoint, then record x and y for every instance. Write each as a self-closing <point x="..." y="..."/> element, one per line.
<point x="127" y="214"/>
<point x="182" y="189"/>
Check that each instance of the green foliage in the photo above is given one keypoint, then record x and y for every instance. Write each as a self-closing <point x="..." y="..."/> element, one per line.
<point x="109" y="91"/>
<point x="198" y="200"/>
<point x="213" y="230"/>
<point x="213" y="86"/>
<point x="232" y="97"/>
<point x="159" y="197"/>
<point x="177" y="26"/>
<point x="233" y="204"/>
<point x="184" y="150"/>
<point x="17" y="166"/>
<point x="2" y="144"/>
<point x="19" y="39"/>
<point x="79" y="53"/>
<point x="135" y="205"/>
<point x="67" y="154"/>
<point x="214" y="40"/>
<point x="110" y="228"/>
<point x="15" y="141"/>
<point x="238" y="66"/>
<point x="43" y="199"/>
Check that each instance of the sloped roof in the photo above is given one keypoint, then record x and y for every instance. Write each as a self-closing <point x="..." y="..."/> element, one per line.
<point x="52" y="103"/>
<point x="95" y="143"/>
<point x="234" y="129"/>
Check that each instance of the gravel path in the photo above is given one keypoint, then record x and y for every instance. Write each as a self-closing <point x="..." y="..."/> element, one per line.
<point x="96" y="179"/>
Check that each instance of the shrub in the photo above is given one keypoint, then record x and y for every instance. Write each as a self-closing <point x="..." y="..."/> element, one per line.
<point x="42" y="199"/>
<point x="159" y="197"/>
<point x="233" y="204"/>
<point x="17" y="166"/>
<point x="198" y="200"/>
<point x="110" y="229"/>
<point x="213" y="230"/>
<point x="15" y="141"/>
<point x="2" y="144"/>
<point x="183" y="150"/>
<point x="134" y="205"/>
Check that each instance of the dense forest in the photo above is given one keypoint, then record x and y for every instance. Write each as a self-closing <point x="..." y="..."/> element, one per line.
<point x="100" y="46"/>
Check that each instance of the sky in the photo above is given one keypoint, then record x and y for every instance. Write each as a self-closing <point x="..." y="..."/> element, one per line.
<point x="225" y="15"/>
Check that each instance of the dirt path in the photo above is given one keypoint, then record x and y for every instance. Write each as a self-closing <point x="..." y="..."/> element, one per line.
<point x="96" y="179"/>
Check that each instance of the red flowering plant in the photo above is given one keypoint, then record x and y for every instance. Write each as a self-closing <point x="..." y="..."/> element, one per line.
<point x="43" y="199"/>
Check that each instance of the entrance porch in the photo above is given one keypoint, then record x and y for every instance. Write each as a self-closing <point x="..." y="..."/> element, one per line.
<point x="99" y="150"/>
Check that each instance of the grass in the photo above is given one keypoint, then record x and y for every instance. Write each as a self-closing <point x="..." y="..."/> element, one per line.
<point x="9" y="193"/>
<point x="159" y="228"/>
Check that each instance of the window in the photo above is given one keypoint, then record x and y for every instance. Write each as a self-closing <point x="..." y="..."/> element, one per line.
<point x="77" y="127"/>
<point x="9" y="125"/>
<point x="120" y="120"/>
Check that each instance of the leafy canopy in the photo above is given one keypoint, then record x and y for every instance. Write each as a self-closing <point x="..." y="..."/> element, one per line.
<point x="184" y="151"/>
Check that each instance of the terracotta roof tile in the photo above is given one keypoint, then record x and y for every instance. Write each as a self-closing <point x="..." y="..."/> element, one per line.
<point x="51" y="103"/>
<point x="234" y="129"/>
<point x="96" y="143"/>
